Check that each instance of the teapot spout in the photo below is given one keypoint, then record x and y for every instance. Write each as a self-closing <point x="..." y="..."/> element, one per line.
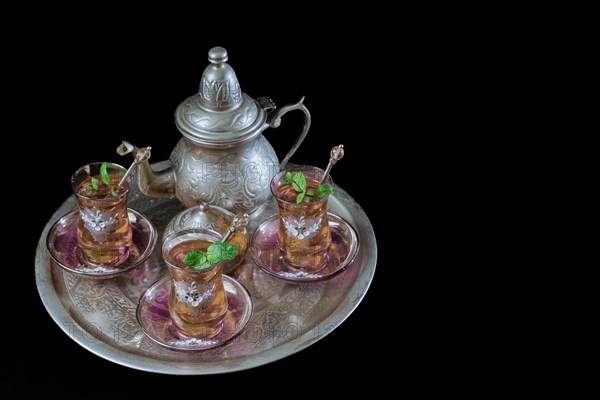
<point x="151" y="183"/>
<point x="156" y="183"/>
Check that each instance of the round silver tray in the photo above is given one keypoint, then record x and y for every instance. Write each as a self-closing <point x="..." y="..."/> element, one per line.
<point x="100" y="315"/>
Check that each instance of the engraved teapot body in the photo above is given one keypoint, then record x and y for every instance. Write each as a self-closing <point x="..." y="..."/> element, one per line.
<point x="223" y="158"/>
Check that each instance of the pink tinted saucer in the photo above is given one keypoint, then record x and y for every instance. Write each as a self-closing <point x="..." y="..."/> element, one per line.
<point x="62" y="246"/>
<point x="153" y="316"/>
<point x="265" y="251"/>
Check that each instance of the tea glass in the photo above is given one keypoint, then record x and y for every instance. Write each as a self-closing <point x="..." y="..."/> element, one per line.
<point x="104" y="234"/>
<point x="197" y="301"/>
<point x="303" y="237"/>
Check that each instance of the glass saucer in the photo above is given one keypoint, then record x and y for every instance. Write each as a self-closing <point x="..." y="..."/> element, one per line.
<point x="62" y="246"/>
<point x="153" y="316"/>
<point x="265" y="251"/>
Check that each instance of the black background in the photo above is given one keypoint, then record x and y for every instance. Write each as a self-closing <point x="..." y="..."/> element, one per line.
<point x="83" y="99"/>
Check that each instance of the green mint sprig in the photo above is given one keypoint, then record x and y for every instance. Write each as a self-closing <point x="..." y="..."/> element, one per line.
<point x="298" y="182"/>
<point x="215" y="253"/>
<point x="105" y="177"/>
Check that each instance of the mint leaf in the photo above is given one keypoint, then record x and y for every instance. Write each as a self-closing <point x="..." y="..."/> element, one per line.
<point x="197" y="260"/>
<point x="288" y="179"/>
<point x="216" y="252"/>
<point x="95" y="183"/>
<point x="104" y="174"/>
<point x="112" y="191"/>
<point x="220" y="251"/>
<point x="88" y="190"/>
<point x="324" y="190"/>
<point x="300" y="180"/>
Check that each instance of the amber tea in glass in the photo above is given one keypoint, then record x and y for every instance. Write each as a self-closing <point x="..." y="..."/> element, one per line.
<point x="303" y="236"/>
<point x="197" y="302"/>
<point x="103" y="231"/>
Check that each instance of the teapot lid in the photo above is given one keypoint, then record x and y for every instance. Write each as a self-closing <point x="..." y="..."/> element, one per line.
<point x="220" y="113"/>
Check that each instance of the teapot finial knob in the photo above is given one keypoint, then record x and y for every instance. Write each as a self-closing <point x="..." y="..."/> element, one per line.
<point x="219" y="88"/>
<point x="217" y="55"/>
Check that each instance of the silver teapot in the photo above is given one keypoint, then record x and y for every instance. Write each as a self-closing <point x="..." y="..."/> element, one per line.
<point x="222" y="159"/>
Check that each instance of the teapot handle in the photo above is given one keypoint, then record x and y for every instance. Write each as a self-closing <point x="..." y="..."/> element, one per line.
<point x="275" y="122"/>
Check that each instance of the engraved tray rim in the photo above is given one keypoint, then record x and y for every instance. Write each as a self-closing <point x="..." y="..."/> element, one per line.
<point x="105" y="348"/>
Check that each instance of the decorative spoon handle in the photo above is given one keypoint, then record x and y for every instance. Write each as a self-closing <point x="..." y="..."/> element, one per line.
<point x="240" y="221"/>
<point x="335" y="155"/>
<point x="139" y="156"/>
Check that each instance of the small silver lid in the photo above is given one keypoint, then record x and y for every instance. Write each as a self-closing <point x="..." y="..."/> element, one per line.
<point x="220" y="113"/>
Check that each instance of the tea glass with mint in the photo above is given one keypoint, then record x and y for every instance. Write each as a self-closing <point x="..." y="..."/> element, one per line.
<point x="303" y="237"/>
<point x="104" y="235"/>
<point x="197" y="301"/>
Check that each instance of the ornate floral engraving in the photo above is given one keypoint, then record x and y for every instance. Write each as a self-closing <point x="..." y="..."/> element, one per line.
<point x="98" y="222"/>
<point x="298" y="228"/>
<point x="300" y="274"/>
<point x="98" y="270"/>
<point x="195" y="116"/>
<point x="193" y="342"/>
<point x="237" y="180"/>
<point x="188" y="293"/>
<point x="220" y="93"/>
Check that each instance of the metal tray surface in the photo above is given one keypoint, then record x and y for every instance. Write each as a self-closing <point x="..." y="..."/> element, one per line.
<point x="100" y="315"/>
